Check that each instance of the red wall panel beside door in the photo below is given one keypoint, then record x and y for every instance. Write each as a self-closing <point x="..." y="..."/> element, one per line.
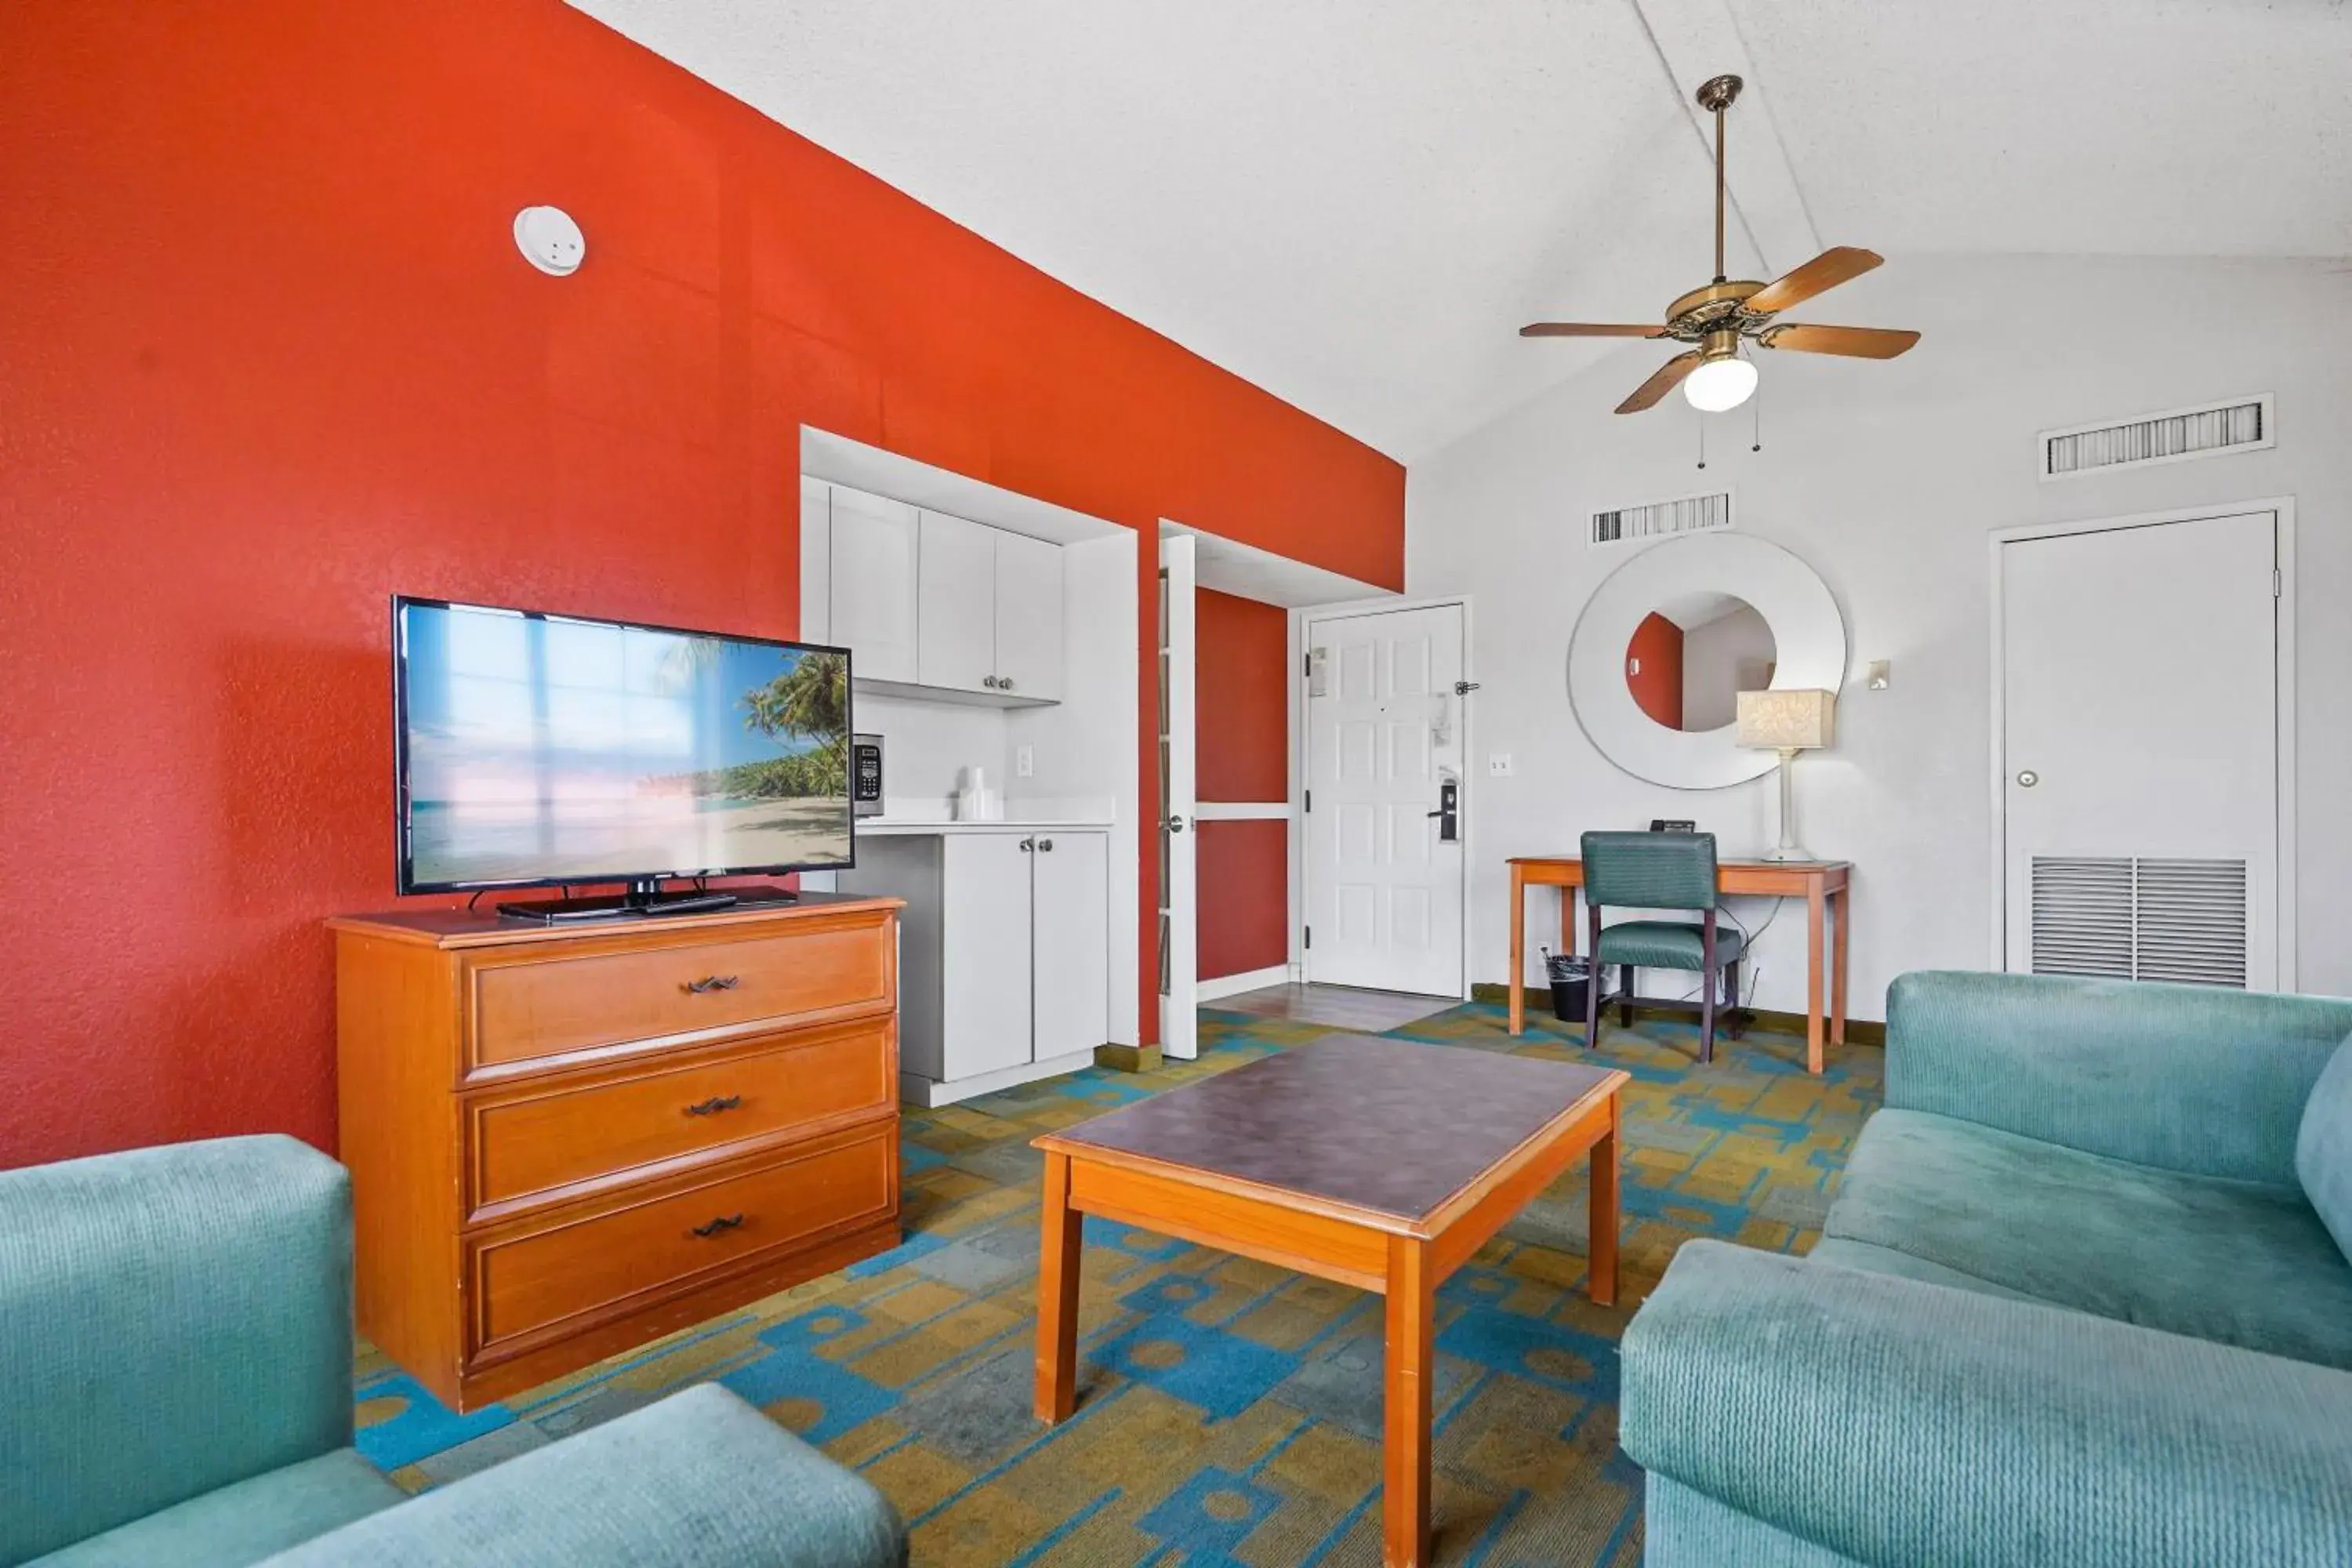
<point x="270" y="357"/>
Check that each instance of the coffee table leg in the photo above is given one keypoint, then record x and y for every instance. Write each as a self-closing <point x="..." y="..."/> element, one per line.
<point x="1062" y="1231"/>
<point x="1600" y="1265"/>
<point x="1410" y="1363"/>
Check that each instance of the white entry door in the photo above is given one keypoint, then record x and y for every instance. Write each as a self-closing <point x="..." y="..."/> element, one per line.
<point x="1179" y="944"/>
<point x="2140" y="751"/>
<point x="1384" y="737"/>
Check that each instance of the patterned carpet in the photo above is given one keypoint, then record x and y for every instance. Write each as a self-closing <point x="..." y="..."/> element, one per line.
<point x="1230" y="1412"/>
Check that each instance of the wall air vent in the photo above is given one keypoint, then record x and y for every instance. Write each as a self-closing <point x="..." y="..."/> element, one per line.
<point x="2121" y="917"/>
<point x="2173" y="436"/>
<point x="1636" y="524"/>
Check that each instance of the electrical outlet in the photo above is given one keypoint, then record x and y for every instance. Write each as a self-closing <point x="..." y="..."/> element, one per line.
<point x="1499" y="764"/>
<point x="1024" y="762"/>
<point x="1882" y="674"/>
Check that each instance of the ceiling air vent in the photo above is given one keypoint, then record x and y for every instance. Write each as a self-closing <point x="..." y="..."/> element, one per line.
<point x="2123" y="918"/>
<point x="2173" y="436"/>
<point x="1634" y="525"/>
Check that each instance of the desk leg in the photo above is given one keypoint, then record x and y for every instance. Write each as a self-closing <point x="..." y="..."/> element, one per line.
<point x="1410" y="1365"/>
<point x="1057" y="1295"/>
<point x="1837" y="965"/>
<point x="1601" y="1246"/>
<point x="1519" y="949"/>
<point x="1814" y="900"/>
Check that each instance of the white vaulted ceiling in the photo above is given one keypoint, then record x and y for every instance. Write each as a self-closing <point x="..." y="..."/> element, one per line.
<point x="1354" y="203"/>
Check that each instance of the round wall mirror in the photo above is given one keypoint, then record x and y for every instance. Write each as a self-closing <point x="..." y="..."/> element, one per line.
<point x="1670" y="639"/>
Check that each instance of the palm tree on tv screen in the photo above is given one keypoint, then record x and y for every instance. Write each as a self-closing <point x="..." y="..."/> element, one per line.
<point x="809" y="701"/>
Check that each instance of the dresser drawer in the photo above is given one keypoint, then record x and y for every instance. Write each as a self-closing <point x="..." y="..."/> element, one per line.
<point x="573" y="1270"/>
<point x="533" y="1004"/>
<point x="525" y="1144"/>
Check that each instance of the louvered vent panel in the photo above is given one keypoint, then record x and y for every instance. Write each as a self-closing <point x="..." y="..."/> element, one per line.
<point x="2083" y="916"/>
<point x="1688" y="515"/>
<point x="2118" y="918"/>
<point x="2192" y="922"/>
<point x="2158" y="438"/>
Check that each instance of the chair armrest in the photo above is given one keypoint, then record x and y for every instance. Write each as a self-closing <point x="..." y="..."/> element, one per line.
<point x="172" y="1319"/>
<point x="700" y="1480"/>
<point x="1898" y="1422"/>
<point x="2186" y="1077"/>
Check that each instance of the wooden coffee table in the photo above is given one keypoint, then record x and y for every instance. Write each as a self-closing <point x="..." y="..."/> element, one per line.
<point x="1379" y="1163"/>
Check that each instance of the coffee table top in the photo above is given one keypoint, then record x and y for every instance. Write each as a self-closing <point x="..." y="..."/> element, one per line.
<point x="1393" y="1128"/>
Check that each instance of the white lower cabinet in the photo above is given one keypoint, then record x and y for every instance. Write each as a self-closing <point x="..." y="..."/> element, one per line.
<point x="1003" y="958"/>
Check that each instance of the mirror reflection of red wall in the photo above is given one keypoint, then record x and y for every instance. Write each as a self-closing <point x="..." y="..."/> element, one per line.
<point x="1653" y="669"/>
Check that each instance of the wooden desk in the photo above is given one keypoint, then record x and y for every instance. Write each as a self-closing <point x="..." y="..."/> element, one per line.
<point x="1818" y="882"/>
<point x="1379" y="1163"/>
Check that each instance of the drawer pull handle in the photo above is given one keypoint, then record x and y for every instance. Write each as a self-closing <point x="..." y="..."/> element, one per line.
<point x="715" y="1104"/>
<point x="724" y="1221"/>
<point x="714" y="982"/>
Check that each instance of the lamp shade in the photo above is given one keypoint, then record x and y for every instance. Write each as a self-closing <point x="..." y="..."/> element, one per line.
<point x="1797" y="719"/>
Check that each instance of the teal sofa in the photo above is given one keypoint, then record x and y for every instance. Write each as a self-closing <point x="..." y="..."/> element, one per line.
<point x="175" y="1388"/>
<point x="2084" y="1297"/>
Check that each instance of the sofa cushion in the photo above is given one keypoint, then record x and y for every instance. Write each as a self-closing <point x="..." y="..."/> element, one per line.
<point x="1665" y="944"/>
<point x="1873" y="1259"/>
<point x="242" y="1523"/>
<point x="2237" y="1262"/>
<point x="2322" y="1148"/>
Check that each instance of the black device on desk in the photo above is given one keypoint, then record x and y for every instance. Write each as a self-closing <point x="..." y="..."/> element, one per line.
<point x="1672" y="824"/>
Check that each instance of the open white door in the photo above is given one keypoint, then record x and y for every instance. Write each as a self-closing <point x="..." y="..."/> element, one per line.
<point x="1180" y="1024"/>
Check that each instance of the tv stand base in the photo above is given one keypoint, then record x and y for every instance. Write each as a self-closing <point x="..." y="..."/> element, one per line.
<point x="642" y="900"/>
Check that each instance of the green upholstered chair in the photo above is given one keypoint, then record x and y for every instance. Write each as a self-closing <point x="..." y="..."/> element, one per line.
<point x="175" y="1387"/>
<point x="2084" y="1297"/>
<point x="1657" y="871"/>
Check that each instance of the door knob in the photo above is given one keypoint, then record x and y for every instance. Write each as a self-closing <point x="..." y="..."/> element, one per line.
<point x="1175" y="825"/>
<point x="2027" y="779"/>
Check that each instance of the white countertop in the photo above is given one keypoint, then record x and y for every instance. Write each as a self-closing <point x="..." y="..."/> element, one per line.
<point x="905" y="828"/>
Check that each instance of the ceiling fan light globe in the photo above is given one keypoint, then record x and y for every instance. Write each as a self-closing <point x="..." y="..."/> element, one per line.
<point x="1719" y="384"/>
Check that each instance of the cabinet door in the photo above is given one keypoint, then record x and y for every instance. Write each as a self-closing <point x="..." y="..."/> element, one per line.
<point x="1070" y="925"/>
<point x="984" y="949"/>
<point x="1029" y="617"/>
<point x="957" y="606"/>
<point x="817" y="561"/>
<point x="873" y="597"/>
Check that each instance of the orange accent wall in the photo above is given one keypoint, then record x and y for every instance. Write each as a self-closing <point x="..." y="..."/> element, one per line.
<point x="271" y="356"/>
<point x="1658" y="688"/>
<point x="1241" y="705"/>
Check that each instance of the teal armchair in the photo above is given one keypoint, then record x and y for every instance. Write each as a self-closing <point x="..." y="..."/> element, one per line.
<point x="2083" y="1297"/>
<point x="175" y="1387"/>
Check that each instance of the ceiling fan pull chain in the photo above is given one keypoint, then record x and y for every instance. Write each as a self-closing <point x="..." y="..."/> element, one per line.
<point x="1702" y="440"/>
<point x="1756" y="407"/>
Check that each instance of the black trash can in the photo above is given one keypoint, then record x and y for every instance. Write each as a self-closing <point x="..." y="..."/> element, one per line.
<point x="1570" y="977"/>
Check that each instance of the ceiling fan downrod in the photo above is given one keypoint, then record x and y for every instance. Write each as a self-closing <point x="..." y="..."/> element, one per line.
<point x="1716" y="94"/>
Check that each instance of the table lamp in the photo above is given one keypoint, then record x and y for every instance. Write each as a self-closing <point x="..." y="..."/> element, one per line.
<point x="1789" y="720"/>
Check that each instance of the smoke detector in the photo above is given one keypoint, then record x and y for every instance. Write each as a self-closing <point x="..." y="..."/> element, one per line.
<point x="550" y="240"/>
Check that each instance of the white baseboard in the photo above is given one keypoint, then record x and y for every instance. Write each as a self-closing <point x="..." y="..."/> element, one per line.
<point x="1249" y="980"/>
<point x="914" y="1088"/>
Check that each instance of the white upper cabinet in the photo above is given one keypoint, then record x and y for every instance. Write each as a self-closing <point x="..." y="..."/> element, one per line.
<point x="925" y="599"/>
<point x="817" y="561"/>
<point x="956" y="604"/>
<point x="872" y="595"/>
<point x="1028" y="586"/>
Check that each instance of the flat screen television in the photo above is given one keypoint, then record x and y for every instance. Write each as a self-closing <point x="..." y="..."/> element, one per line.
<point x="540" y="750"/>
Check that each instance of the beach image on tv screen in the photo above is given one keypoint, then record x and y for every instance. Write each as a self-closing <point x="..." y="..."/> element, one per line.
<point x="545" y="749"/>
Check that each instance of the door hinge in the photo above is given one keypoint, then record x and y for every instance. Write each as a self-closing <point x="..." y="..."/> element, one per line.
<point x="1310" y="800"/>
<point x="1464" y="688"/>
<point x="1310" y="936"/>
<point x="1307" y="664"/>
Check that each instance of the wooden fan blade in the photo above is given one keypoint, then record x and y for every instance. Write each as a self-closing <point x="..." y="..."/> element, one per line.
<point x="1855" y="342"/>
<point x="1589" y="329"/>
<point x="1669" y="376"/>
<point x="1839" y="264"/>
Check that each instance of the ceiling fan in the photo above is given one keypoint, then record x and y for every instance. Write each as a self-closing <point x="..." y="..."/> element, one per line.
<point x="1729" y="311"/>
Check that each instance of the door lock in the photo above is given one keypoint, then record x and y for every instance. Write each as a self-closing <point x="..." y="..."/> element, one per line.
<point x="2027" y="779"/>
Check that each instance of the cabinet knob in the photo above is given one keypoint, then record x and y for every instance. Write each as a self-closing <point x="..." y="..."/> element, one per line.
<point x="1044" y="844"/>
<point x="989" y="681"/>
<point x="1027" y="845"/>
<point x="1004" y="683"/>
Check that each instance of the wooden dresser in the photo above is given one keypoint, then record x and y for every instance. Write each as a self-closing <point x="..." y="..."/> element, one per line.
<point x="567" y="1141"/>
